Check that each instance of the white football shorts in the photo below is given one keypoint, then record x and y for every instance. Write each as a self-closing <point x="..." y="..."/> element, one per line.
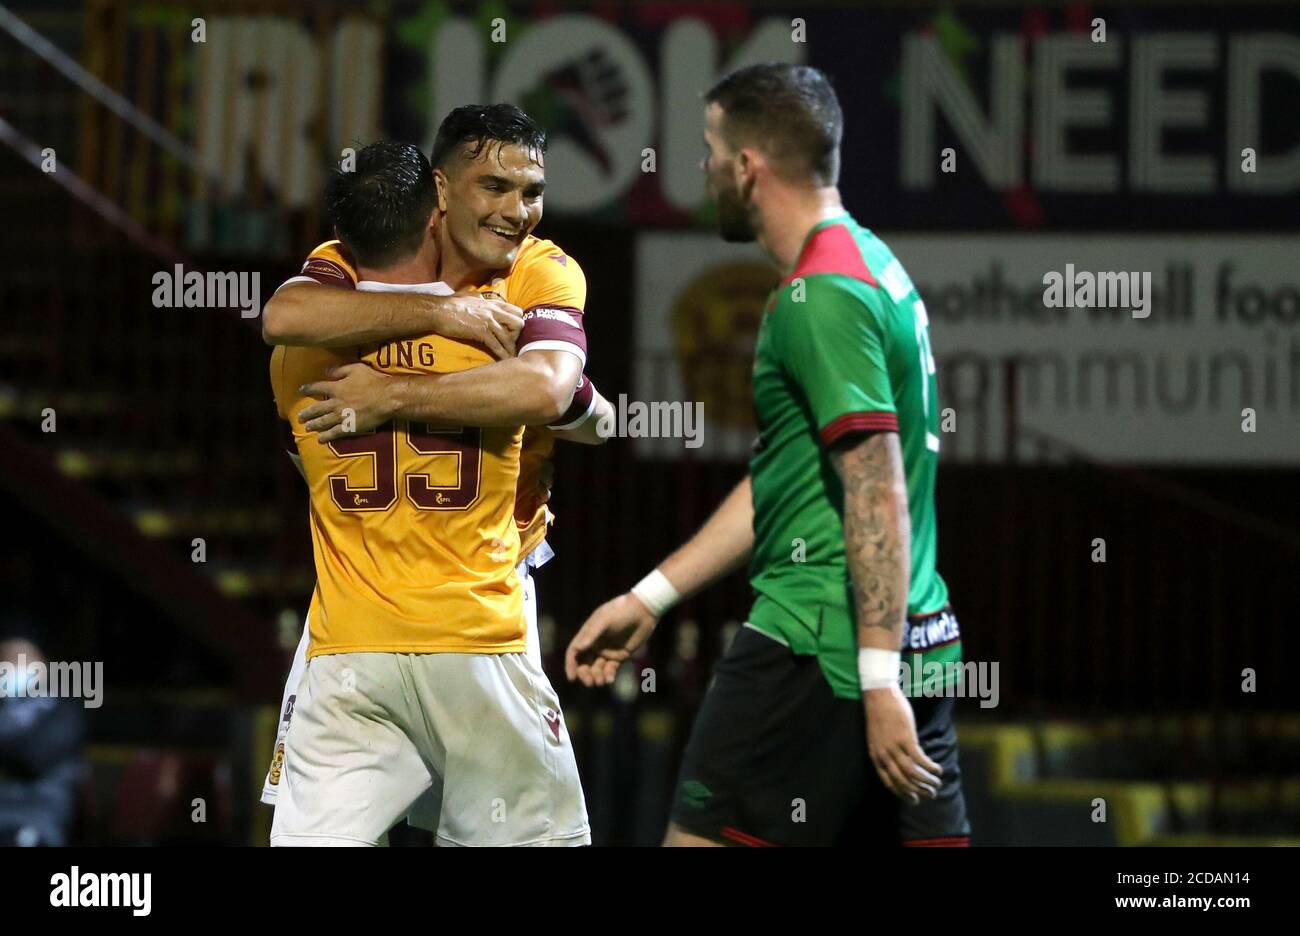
<point x="469" y="746"/>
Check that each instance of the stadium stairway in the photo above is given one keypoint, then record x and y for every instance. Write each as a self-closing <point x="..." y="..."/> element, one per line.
<point x="1133" y="781"/>
<point x="144" y="435"/>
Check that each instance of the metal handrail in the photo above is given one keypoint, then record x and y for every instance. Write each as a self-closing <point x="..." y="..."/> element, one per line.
<point x="101" y="92"/>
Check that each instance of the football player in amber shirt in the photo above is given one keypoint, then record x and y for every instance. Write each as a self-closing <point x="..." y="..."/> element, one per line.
<point x="462" y="605"/>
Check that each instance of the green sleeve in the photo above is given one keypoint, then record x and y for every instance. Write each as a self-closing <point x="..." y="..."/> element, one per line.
<point x="832" y="345"/>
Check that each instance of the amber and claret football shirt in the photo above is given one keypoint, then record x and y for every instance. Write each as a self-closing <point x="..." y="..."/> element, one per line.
<point x="417" y="529"/>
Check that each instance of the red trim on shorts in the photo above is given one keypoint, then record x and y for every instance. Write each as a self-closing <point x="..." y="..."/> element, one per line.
<point x="858" y="422"/>
<point x="744" y="838"/>
<point x="950" y="841"/>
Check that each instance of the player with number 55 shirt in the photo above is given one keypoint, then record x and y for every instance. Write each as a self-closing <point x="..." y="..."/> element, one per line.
<point x="413" y="526"/>
<point x="418" y="696"/>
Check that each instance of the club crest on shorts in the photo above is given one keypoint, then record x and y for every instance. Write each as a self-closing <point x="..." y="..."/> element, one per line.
<point x="277" y="764"/>
<point x="553" y="722"/>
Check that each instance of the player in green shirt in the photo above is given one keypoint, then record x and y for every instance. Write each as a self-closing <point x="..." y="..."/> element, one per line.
<point x="836" y="519"/>
<point x="839" y="354"/>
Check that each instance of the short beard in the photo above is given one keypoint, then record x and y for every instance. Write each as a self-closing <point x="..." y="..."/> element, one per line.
<point x="733" y="219"/>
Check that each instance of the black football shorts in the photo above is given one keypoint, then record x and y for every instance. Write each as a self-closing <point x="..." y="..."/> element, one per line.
<point x="775" y="758"/>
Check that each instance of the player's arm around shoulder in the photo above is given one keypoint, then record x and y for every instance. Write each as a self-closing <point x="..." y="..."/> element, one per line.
<point x="542" y="386"/>
<point x="321" y="307"/>
<point x="548" y="380"/>
<point x="309" y="315"/>
<point x="538" y="388"/>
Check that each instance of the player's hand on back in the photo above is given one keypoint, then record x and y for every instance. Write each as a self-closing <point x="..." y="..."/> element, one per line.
<point x="354" y="399"/>
<point x="467" y="316"/>
<point x="891" y="741"/>
<point x="612" y="633"/>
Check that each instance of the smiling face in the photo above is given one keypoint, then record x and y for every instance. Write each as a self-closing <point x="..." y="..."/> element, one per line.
<point x="491" y="201"/>
<point x="720" y="181"/>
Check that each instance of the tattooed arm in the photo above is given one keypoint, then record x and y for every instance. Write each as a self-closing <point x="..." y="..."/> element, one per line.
<point x="877" y="536"/>
<point x="878" y="543"/>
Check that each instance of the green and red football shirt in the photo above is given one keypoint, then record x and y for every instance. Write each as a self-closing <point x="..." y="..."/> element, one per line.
<point x="843" y="347"/>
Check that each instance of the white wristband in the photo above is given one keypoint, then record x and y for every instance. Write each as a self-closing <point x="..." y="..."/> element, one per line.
<point x="656" y="593"/>
<point x="878" y="669"/>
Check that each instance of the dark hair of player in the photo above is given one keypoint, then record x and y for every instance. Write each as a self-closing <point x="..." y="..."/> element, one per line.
<point x="789" y="112"/>
<point x="475" y="126"/>
<point x="380" y="208"/>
